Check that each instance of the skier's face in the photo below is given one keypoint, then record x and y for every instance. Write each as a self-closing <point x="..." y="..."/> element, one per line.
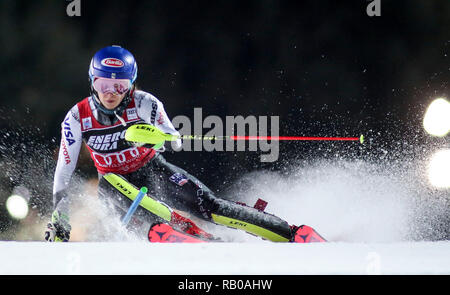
<point x="111" y="91"/>
<point x="111" y="100"/>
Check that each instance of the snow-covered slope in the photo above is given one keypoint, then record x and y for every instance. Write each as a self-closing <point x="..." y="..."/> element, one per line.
<point x="224" y="258"/>
<point x="379" y="219"/>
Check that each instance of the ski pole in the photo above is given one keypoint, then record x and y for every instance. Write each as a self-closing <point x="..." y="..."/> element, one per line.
<point x="294" y="138"/>
<point x="134" y="206"/>
<point x="150" y="134"/>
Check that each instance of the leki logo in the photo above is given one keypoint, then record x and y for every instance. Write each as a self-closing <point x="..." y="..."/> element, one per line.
<point x="112" y="62"/>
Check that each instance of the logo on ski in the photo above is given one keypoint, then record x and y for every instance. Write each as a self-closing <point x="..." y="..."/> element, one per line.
<point x="123" y="189"/>
<point x="164" y="233"/>
<point x="237" y="223"/>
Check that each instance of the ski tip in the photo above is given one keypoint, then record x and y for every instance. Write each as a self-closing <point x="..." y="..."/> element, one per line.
<point x="361" y="139"/>
<point x="164" y="233"/>
<point x="306" y="234"/>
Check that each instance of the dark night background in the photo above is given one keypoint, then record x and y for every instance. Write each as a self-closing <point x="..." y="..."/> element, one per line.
<point x="324" y="67"/>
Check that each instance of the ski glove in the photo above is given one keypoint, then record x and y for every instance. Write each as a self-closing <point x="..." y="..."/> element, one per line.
<point x="58" y="230"/>
<point x="159" y="147"/>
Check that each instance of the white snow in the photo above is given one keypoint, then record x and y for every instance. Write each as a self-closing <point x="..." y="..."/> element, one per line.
<point x="380" y="221"/>
<point x="126" y="258"/>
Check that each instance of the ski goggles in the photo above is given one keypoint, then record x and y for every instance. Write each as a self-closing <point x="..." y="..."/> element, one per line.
<point x="105" y="85"/>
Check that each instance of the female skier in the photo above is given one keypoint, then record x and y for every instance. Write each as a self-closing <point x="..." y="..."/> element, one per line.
<point x="101" y="121"/>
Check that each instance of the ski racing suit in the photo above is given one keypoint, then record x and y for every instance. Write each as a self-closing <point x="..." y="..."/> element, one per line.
<point x="145" y="166"/>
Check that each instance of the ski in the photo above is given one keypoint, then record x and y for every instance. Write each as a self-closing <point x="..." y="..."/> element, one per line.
<point x="306" y="234"/>
<point x="164" y="233"/>
<point x="173" y="227"/>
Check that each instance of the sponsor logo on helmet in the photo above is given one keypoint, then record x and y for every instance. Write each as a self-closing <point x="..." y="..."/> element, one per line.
<point x="112" y="62"/>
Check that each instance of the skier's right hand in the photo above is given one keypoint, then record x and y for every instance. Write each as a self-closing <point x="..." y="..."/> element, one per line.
<point x="58" y="230"/>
